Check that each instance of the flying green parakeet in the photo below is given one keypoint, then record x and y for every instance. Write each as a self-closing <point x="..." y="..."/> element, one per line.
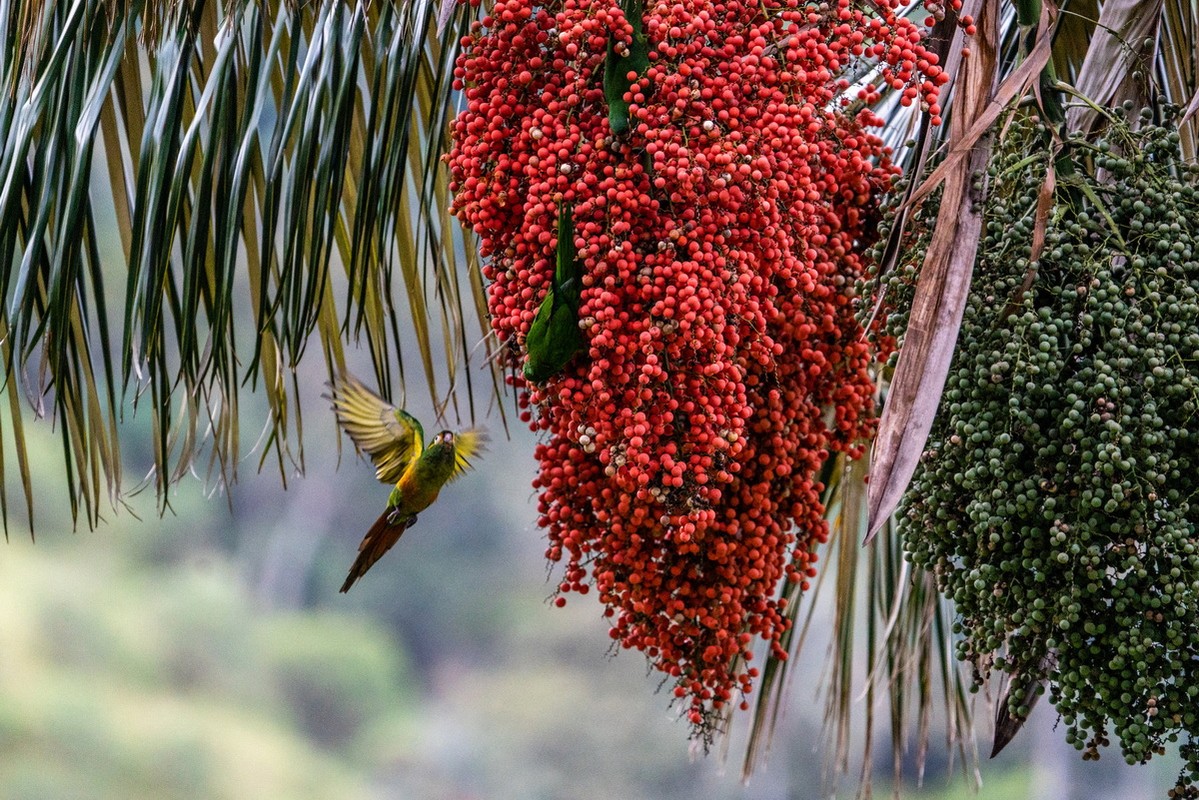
<point x="395" y="442"/>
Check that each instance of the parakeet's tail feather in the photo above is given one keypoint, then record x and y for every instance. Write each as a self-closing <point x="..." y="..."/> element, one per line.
<point x="378" y="540"/>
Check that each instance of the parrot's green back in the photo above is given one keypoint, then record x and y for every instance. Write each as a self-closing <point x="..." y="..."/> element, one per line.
<point x="554" y="336"/>
<point x="618" y="67"/>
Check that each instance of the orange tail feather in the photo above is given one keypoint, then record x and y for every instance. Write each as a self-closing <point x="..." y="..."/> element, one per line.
<point x="378" y="540"/>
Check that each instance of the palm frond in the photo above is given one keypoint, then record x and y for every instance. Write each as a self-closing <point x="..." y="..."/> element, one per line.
<point x="905" y="658"/>
<point x="1119" y="59"/>
<point x="1120" y="50"/>
<point x="275" y="173"/>
<point x="1178" y="67"/>
<point x="904" y="624"/>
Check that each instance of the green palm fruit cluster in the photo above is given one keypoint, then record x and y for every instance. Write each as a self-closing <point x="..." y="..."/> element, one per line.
<point x="1058" y="496"/>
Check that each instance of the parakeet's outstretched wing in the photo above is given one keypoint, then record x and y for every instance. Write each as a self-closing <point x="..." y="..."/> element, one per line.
<point x="467" y="445"/>
<point x="390" y="436"/>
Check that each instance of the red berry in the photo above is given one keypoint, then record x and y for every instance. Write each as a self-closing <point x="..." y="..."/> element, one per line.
<point x="720" y="241"/>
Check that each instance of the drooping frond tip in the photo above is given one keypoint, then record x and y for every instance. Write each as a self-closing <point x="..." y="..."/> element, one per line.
<point x="158" y="17"/>
<point x="259" y="158"/>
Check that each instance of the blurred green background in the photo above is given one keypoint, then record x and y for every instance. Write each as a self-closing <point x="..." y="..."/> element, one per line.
<point x="209" y="655"/>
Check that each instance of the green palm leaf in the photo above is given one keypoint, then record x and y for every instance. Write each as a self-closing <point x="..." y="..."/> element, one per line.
<point x="277" y="176"/>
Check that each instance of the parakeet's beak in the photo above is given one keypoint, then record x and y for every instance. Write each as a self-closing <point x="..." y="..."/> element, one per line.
<point x="446" y="437"/>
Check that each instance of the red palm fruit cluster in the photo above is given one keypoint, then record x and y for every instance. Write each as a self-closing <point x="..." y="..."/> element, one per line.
<point x="719" y="241"/>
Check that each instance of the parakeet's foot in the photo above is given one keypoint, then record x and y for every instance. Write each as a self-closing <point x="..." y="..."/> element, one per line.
<point x="396" y="518"/>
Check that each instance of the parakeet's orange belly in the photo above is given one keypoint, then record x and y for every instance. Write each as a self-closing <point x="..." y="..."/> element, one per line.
<point x="415" y="494"/>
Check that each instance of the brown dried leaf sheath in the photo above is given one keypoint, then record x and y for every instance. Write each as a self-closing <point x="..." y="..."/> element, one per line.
<point x="944" y="279"/>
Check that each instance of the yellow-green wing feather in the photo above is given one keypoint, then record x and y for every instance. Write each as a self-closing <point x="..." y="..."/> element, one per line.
<point x="390" y="436"/>
<point x="467" y="445"/>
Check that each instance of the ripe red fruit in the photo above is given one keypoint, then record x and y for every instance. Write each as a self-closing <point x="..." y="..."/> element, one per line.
<point x="720" y="243"/>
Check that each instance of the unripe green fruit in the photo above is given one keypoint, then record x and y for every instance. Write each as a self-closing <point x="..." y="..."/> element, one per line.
<point x="1055" y="495"/>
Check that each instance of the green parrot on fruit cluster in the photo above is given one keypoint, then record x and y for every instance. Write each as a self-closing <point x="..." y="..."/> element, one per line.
<point x="395" y="442"/>
<point x="554" y="336"/>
